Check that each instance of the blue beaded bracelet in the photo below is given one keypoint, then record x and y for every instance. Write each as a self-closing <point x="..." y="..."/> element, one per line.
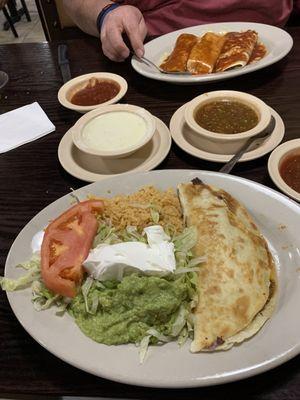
<point x="104" y="12"/>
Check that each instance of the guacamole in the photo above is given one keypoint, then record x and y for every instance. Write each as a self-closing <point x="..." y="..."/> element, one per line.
<point x="127" y="309"/>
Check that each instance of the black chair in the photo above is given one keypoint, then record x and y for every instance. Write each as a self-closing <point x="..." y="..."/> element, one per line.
<point x="13" y="14"/>
<point x="10" y="22"/>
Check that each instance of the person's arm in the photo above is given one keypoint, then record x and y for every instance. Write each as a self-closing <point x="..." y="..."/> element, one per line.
<point x="84" y="13"/>
<point x="123" y="19"/>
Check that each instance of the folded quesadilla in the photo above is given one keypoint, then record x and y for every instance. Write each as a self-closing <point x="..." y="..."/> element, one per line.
<point x="205" y="53"/>
<point x="176" y="62"/>
<point x="237" y="50"/>
<point x="237" y="284"/>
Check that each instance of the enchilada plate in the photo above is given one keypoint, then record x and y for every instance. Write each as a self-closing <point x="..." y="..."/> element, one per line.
<point x="277" y="42"/>
<point x="277" y="217"/>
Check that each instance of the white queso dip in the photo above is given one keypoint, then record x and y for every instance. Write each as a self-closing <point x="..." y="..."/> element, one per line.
<point x="112" y="131"/>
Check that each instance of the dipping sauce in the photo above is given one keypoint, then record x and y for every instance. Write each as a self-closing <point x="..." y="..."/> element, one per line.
<point x="290" y="171"/>
<point x="226" y="116"/>
<point x="114" y="131"/>
<point x="96" y="91"/>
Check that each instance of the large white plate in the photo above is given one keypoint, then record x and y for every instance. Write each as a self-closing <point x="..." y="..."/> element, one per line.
<point x="167" y="365"/>
<point x="277" y="41"/>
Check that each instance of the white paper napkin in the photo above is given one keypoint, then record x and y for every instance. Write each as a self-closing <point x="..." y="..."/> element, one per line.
<point x="23" y="125"/>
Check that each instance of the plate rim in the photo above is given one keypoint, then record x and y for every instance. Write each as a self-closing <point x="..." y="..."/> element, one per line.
<point x="213" y="380"/>
<point x="214" y="77"/>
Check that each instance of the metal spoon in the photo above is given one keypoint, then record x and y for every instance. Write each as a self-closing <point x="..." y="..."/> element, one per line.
<point x="151" y="64"/>
<point x="226" y="169"/>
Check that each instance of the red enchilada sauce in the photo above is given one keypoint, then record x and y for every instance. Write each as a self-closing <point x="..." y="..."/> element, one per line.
<point x="290" y="171"/>
<point x="258" y="53"/>
<point x="97" y="91"/>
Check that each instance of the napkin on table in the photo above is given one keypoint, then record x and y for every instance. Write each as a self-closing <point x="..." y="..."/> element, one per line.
<point x="23" y="125"/>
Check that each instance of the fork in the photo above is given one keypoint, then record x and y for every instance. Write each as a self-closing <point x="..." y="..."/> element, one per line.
<point x="151" y="64"/>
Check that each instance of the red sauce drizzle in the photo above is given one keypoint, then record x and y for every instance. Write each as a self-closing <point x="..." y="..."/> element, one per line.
<point x="258" y="53"/>
<point x="97" y="91"/>
<point x="290" y="171"/>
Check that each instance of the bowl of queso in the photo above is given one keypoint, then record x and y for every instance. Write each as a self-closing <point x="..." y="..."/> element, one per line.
<point x="284" y="168"/>
<point x="87" y="92"/>
<point x="221" y="121"/>
<point x="114" y="131"/>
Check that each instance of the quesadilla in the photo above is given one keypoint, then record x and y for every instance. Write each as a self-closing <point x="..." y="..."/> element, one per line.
<point x="177" y="60"/>
<point x="237" y="284"/>
<point x="237" y="50"/>
<point x="205" y="53"/>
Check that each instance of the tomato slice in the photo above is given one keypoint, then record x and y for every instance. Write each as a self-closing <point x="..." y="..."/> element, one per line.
<point x="66" y="244"/>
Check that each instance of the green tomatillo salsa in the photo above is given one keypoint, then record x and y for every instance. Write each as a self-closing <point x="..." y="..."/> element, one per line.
<point x="226" y="116"/>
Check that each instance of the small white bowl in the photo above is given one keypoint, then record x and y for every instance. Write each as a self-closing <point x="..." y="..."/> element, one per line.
<point x="68" y="90"/>
<point x="275" y="160"/>
<point x="221" y="143"/>
<point x="80" y="130"/>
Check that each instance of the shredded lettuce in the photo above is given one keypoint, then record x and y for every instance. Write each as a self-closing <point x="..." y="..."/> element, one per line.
<point x="131" y="234"/>
<point x="180" y="321"/>
<point x="106" y="234"/>
<point x="42" y="298"/>
<point x="85" y="288"/>
<point x="185" y="270"/>
<point x="186" y="240"/>
<point x="143" y="348"/>
<point x="159" y="336"/>
<point x="33" y="268"/>
<point x="154" y="215"/>
<point x="144" y="344"/>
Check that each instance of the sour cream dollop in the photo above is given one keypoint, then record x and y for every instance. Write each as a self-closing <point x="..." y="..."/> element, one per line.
<point x="36" y="242"/>
<point x="107" y="262"/>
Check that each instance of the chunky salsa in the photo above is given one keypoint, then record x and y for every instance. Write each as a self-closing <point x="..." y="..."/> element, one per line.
<point x="290" y="171"/>
<point x="97" y="91"/>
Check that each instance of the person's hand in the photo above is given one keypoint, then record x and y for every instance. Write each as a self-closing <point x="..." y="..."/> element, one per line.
<point x="124" y="19"/>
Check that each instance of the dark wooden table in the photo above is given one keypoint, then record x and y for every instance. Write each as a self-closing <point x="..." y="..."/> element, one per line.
<point x="31" y="178"/>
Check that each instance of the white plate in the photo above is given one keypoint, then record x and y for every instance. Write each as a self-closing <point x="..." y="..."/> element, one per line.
<point x="277" y="41"/>
<point x="183" y="137"/>
<point x="94" y="168"/>
<point x="170" y="366"/>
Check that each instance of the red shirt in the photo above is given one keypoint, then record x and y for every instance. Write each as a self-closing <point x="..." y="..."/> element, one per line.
<point x="163" y="16"/>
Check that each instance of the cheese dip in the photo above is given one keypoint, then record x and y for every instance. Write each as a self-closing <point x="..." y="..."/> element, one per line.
<point x="115" y="130"/>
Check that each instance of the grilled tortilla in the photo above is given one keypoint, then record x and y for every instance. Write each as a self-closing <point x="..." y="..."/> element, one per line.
<point x="205" y="53"/>
<point x="237" y="283"/>
<point x="237" y="50"/>
<point x="176" y="62"/>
